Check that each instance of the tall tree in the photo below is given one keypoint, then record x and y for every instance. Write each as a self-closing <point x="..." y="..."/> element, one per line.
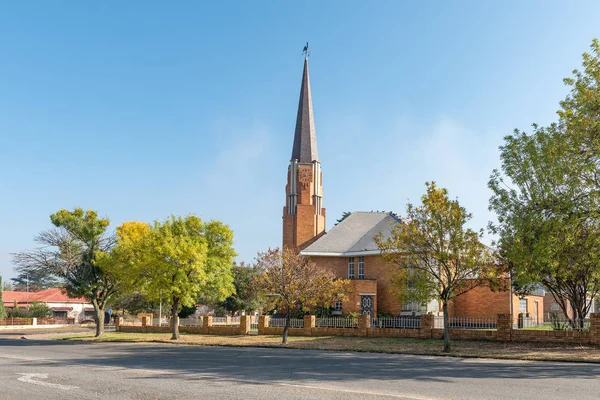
<point x="77" y="252"/>
<point x="7" y="286"/>
<point x="247" y="295"/>
<point x="180" y="260"/>
<point x="435" y="252"/>
<point x="294" y="282"/>
<point x="34" y="281"/>
<point x="345" y="215"/>
<point x="547" y="197"/>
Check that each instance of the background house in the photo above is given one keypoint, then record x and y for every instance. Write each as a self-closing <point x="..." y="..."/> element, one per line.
<point x="56" y="298"/>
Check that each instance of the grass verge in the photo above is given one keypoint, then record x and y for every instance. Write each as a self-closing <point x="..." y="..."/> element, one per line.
<point x="479" y="349"/>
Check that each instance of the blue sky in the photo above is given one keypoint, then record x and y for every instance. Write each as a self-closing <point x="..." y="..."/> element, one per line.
<point x="141" y="109"/>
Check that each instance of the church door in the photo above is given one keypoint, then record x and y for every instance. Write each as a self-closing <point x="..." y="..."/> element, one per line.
<point x="366" y="305"/>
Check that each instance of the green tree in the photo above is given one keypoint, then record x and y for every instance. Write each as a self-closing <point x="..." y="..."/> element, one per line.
<point x="7" y="286"/>
<point x="247" y="295"/>
<point x="133" y="302"/>
<point x="293" y="282"/>
<point x="181" y="260"/>
<point x="78" y="252"/>
<point x="18" y="312"/>
<point x="547" y="198"/>
<point x="35" y="280"/>
<point x="435" y="255"/>
<point x="40" y="310"/>
<point x="345" y="215"/>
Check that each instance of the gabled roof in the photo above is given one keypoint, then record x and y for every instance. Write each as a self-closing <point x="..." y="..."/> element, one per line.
<point x="53" y="295"/>
<point x="305" y="137"/>
<point x="355" y="235"/>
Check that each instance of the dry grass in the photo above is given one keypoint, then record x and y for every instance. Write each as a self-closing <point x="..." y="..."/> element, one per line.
<point x="516" y="351"/>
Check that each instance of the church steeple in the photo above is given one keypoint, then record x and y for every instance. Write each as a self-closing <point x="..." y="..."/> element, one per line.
<point x="303" y="214"/>
<point x="305" y="138"/>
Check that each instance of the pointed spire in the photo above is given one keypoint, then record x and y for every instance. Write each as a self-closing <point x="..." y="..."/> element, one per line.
<point x="305" y="138"/>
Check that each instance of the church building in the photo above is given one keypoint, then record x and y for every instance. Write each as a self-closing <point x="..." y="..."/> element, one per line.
<point x="349" y="248"/>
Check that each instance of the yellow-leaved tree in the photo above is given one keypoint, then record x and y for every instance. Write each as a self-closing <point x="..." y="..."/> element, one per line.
<point x="180" y="260"/>
<point x="436" y="252"/>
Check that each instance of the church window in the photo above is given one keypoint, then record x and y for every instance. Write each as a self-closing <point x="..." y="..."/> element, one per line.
<point x="350" y="267"/>
<point x="522" y="305"/>
<point x="361" y="267"/>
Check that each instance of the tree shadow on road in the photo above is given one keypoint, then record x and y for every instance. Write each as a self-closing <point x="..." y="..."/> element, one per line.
<point x="272" y="364"/>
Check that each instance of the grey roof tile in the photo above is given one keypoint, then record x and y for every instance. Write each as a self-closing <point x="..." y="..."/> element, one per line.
<point x="356" y="233"/>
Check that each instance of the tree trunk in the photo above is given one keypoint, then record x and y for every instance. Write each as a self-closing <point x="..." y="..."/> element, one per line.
<point x="446" y="328"/>
<point x="175" y="320"/>
<point x="99" y="319"/>
<point x="286" y="327"/>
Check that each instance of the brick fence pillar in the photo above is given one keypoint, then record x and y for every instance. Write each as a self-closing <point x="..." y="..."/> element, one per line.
<point x="263" y="322"/>
<point x="118" y="323"/>
<point x="595" y="327"/>
<point x="364" y="324"/>
<point x="504" y="327"/>
<point x="309" y="323"/>
<point x="244" y="325"/>
<point x="145" y="321"/>
<point x="207" y="321"/>
<point x="427" y="324"/>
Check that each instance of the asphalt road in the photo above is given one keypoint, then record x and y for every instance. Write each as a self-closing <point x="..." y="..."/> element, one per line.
<point x="41" y="369"/>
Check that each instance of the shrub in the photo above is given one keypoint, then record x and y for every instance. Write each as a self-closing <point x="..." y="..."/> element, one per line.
<point x="40" y="310"/>
<point x="351" y="315"/>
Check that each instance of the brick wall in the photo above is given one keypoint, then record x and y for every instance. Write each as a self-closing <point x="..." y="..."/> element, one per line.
<point x="303" y="227"/>
<point x="548" y="301"/>
<point x="482" y="302"/>
<point x="503" y="333"/>
<point x="377" y="280"/>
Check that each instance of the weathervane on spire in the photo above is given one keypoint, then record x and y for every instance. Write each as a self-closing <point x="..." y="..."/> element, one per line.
<point x="305" y="51"/>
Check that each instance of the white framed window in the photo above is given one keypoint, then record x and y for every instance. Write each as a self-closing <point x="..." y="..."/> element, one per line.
<point x="350" y="267"/>
<point x="522" y="305"/>
<point x="555" y="307"/>
<point x="338" y="306"/>
<point x="361" y="267"/>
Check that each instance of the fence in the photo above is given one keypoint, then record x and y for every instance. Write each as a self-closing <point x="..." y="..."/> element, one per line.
<point x="16" y="321"/>
<point x="36" y="321"/>
<point x="397" y="322"/>
<point x="190" y="321"/>
<point x="226" y="321"/>
<point x="336" y="322"/>
<point x="465" y="323"/>
<point x="556" y="323"/>
<point x="280" y="323"/>
<point x="56" y="321"/>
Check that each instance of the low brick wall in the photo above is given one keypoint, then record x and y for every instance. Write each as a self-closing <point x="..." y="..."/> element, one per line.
<point x="206" y="329"/>
<point x="503" y="333"/>
<point x="338" y="332"/>
<point x="521" y="335"/>
<point x="279" y="331"/>
<point x="392" y="332"/>
<point x="466" y="334"/>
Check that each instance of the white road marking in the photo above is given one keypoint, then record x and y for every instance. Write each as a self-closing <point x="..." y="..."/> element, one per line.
<point x="28" y="378"/>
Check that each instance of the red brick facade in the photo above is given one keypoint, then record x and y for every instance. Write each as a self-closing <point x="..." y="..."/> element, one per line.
<point x="376" y="281"/>
<point x="482" y="302"/>
<point x="303" y="222"/>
